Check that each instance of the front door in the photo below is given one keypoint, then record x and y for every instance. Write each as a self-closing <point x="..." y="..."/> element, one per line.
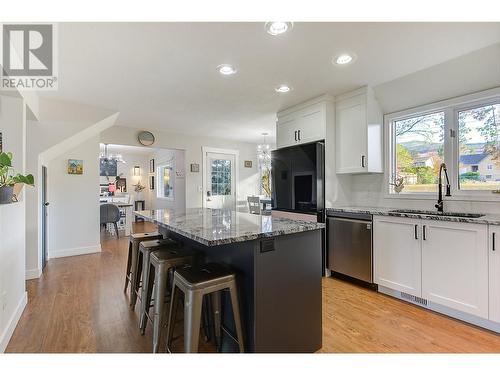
<point x="220" y="180"/>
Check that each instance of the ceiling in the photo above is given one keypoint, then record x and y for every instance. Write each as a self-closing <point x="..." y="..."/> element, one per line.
<point x="163" y="75"/>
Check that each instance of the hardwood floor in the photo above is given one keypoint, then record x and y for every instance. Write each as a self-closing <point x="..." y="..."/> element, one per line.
<point x="359" y="320"/>
<point x="78" y="305"/>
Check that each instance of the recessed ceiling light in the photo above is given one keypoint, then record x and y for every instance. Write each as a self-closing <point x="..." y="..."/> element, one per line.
<point x="343" y="59"/>
<point x="282" y="89"/>
<point x="276" y="28"/>
<point x="226" y="69"/>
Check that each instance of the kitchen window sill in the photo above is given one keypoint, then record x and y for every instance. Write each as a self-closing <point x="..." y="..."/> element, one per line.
<point x="458" y="197"/>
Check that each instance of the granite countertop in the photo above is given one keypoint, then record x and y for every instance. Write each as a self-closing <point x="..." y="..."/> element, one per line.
<point x="386" y="211"/>
<point x="213" y="227"/>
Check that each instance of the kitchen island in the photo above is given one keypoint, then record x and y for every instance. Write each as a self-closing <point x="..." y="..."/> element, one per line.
<point x="278" y="266"/>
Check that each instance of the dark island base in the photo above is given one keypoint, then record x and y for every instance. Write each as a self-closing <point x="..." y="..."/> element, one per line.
<point x="279" y="282"/>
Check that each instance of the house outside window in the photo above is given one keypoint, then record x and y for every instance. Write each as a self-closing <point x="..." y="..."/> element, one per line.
<point x="479" y="140"/>
<point x="463" y="132"/>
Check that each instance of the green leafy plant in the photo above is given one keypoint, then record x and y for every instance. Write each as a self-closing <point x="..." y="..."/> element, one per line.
<point x="470" y="176"/>
<point x="8" y="177"/>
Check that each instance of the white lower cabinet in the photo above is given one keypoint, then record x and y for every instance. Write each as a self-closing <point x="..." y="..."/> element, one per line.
<point x="448" y="263"/>
<point x="455" y="265"/>
<point x="494" y="272"/>
<point x="397" y="254"/>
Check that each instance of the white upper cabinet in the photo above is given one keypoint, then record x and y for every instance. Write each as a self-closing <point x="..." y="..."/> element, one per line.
<point x="397" y="254"/>
<point x="455" y="265"/>
<point x="304" y="123"/>
<point x="494" y="272"/>
<point x="359" y="130"/>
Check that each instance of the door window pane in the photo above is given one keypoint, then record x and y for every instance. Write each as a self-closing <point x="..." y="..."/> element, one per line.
<point x="166" y="182"/>
<point x="419" y="151"/>
<point x="221" y="177"/>
<point x="479" y="148"/>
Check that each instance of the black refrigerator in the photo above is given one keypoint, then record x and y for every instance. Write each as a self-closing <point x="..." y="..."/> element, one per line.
<point x="298" y="179"/>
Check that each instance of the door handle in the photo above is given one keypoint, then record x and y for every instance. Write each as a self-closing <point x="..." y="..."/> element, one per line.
<point x="493" y="242"/>
<point x="363" y="161"/>
<point x="295" y="135"/>
<point x="424" y="233"/>
<point x="299" y="134"/>
<point x="416" y="231"/>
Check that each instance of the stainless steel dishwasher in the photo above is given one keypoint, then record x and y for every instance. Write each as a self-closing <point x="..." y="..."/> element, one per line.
<point x="350" y="245"/>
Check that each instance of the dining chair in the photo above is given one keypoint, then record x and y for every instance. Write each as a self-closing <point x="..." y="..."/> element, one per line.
<point x="110" y="214"/>
<point x="254" y="205"/>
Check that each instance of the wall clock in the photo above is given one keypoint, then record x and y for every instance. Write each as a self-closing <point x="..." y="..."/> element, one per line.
<point x="146" y="138"/>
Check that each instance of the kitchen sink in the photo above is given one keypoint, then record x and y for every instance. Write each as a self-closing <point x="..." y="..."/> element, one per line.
<point x="434" y="213"/>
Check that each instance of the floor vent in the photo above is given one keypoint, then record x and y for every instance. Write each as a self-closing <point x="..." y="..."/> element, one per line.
<point x="414" y="299"/>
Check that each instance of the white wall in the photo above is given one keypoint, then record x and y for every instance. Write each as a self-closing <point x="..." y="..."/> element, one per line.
<point x="177" y="159"/>
<point x="248" y="177"/>
<point x="58" y="121"/>
<point x="73" y="214"/>
<point x="13" y="295"/>
<point x="476" y="71"/>
<point x="470" y="73"/>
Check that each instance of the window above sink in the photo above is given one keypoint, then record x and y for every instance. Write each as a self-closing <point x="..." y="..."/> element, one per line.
<point x="463" y="133"/>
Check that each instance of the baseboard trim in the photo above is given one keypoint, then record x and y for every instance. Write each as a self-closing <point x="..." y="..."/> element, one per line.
<point x="74" y="251"/>
<point x="460" y="315"/>
<point x="33" y="273"/>
<point x="9" y="330"/>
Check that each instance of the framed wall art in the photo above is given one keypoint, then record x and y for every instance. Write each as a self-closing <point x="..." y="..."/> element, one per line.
<point x="75" y="166"/>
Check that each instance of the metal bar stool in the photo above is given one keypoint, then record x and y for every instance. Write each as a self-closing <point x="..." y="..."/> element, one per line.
<point x="161" y="262"/>
<point x="196" y="282"/>
<point x="145" y="250"/>
<point x="133" y="262"/>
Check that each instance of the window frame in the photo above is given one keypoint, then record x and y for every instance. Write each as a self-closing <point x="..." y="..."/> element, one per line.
<point x="159" y="180"/>
<point x="451" y="108"/>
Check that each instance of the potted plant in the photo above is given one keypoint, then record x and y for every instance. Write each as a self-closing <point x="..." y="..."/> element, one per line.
<point x="398" y="183"/>
<point x="8" y="178"/>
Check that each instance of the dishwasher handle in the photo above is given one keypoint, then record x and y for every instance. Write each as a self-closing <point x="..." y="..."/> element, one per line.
<point x="368" y="223"/>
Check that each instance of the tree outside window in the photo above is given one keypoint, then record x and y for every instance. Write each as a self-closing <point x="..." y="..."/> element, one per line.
<point x="419" y="145"/>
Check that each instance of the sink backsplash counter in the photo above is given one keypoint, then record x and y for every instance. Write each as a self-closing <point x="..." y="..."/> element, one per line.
<point x="368" y="191"/>
<point x="492" y="219"/>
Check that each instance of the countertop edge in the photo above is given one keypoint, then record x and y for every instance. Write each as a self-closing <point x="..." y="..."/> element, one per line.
<point x="489" y="219"/>
<point x="242" y="238"/>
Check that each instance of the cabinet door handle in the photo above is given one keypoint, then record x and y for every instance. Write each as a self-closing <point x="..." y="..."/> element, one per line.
<point x="493" y="242"/>
<point x="363" y="161"/>
<point x="299" y="134"/>
<point x="416" y="231"/>
<point x="295" y="135"/>
<point x="424" y="233"/>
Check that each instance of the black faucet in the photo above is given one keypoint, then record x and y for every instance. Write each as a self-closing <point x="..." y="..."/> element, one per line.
<point x="439" y="204"/>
